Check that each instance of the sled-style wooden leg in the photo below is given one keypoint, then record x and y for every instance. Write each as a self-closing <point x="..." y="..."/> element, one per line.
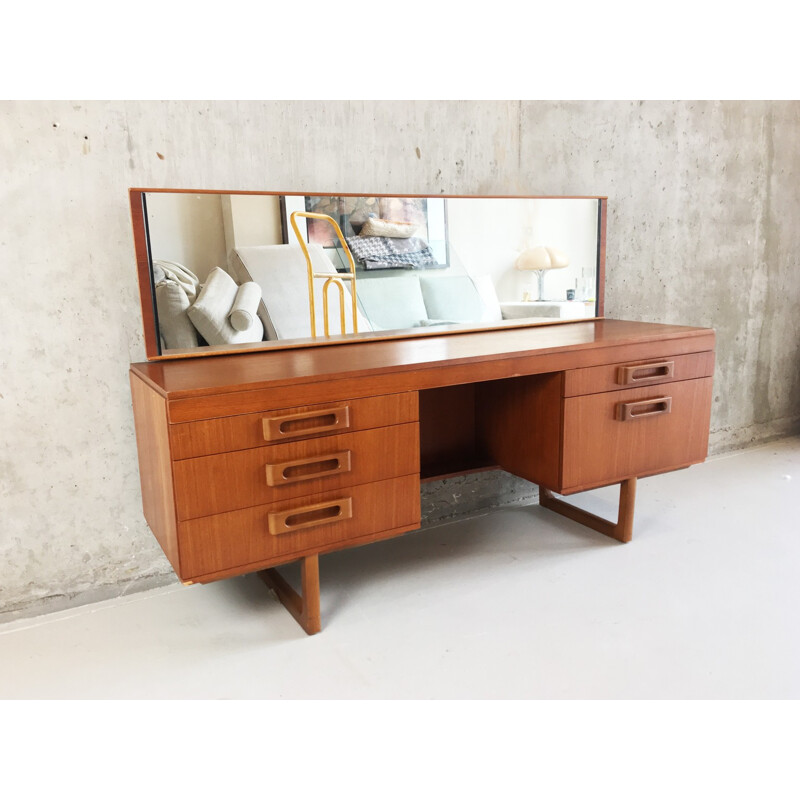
<point x="303" y="607"/>
<point x="622" y="530"/>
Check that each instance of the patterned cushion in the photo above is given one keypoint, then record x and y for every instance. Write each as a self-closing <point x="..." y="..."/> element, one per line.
<point x="382" y="252"/>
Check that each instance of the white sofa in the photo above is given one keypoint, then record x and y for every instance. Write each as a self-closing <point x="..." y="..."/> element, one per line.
<point x="409" y="300"/>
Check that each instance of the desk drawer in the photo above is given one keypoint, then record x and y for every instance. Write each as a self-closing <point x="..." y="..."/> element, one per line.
<point x="613" y="377"/>
<point x="206" y="437"/>
<point x="241" y="541"/>
<point x="612" y="436"/>
<point x="227" y="481"/>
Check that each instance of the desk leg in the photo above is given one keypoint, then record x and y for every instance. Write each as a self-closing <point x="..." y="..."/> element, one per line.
<point x="622" y="530"/>
<point x="303" y="607"/>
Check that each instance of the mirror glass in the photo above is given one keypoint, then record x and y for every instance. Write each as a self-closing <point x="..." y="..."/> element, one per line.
<point x="227" y="271"/>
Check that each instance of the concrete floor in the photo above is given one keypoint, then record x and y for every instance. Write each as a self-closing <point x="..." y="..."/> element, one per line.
<point x="518" y="603"/>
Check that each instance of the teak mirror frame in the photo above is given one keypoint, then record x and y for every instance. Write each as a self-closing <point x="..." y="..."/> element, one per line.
<point x="147" y="288"/>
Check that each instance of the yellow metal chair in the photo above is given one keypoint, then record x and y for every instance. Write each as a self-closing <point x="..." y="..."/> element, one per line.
<point x="338" y="280"/>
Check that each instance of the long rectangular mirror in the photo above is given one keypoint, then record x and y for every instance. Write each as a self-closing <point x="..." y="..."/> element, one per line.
<point x="225" y="272"/>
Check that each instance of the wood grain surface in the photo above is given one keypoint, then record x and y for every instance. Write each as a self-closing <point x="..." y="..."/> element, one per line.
<point x="600" y="449"/>
<point x="227" y="481"/>
<point x="196" y="389"/>
<point x="240" y="540"/>
<point x="543" y="403"/>
<point x="520" y="426"/>
<point x="155" y="467"/>
<point x="224" y="374"/>
<point x="606" y="378"/>
<point x="239" y="432"/>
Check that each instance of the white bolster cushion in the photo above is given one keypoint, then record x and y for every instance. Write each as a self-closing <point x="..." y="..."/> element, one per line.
<point x="210" y="312"/>
<point x="245" y="305"/>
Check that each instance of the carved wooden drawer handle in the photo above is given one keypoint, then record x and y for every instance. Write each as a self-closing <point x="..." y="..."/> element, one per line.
<point x="296" y="519"/>
<point x="308" y="469"/>
<point x="644" y="408"/>
<point x="307" y="423"/>
<point x="643" y="373"/>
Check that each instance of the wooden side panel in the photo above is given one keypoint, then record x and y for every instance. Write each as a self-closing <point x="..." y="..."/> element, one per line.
<point x="600" y="448"/>
<point x="155" y="469"/>
<point x="225" y="434"/>
<point x="606" y="378"/>
<point x="601" y="256"/>
<point x="239" y="541"/>
<point x="143" y="269"/>
<point x="227" y="481"/>
<point x="448" y="443"/>
<point x="519" y="424"/>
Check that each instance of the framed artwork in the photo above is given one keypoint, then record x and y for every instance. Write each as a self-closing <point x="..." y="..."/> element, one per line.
<point x="426" y="248"/>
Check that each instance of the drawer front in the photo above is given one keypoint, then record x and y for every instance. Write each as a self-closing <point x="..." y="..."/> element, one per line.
<point x="613" y="377"/>
<point x="612" y="436"/>
<point x="206" y="437"/>
<point x="238" y="541"/>
<point x="227" y="481"/>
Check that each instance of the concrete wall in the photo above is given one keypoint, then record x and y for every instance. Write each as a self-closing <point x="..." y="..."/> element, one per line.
<point x="703" y="230"/>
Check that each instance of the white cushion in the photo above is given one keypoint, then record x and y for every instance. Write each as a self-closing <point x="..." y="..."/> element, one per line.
<point x="211" y="309"/>
<point x="392" y="303"/>
<point x="452" y="297"/>
<point x="375" y="226"/>
<point x="174" y="325"/>
<point x="460" y="297"/>
<point x="245" y="306"/>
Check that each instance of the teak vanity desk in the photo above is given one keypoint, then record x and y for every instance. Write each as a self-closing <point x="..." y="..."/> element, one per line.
<point x="253" y="460"/>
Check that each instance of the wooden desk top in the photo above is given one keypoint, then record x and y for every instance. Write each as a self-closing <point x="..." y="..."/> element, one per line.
<point x="532" y="349"/>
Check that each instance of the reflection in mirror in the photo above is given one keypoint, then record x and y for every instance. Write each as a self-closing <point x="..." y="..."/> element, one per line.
<point x="227" y="269"/>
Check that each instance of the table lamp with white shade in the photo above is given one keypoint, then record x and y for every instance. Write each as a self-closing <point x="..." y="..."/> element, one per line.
<point x="538" y="260"/>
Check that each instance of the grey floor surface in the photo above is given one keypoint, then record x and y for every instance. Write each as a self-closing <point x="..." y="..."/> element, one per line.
<point x="518" y="603"/>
